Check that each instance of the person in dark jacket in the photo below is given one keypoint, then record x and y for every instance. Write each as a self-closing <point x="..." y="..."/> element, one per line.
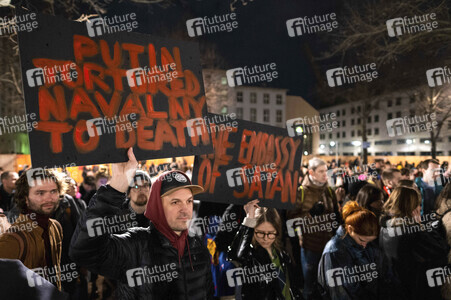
<point x="137" y="196"/>
<point x="430" y="185"/>
<point x="158" y="262"/>
<point x="258" y="246"/>
<point x="351" y="266"/>
<point x="17" y="282"/>
<point x="411" y="245"/>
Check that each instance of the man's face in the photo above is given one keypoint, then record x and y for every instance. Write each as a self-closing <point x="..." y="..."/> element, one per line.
<point x="72" y="188"/>
<point x="43" y="198"/>
<point x="319" y="174"/>
<point x="139" y="194"/>
<point x="10" y="182"/>
<point x="178" y="209"/>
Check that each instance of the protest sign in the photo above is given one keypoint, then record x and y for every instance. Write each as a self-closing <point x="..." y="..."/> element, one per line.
<point x="97" y="92"/>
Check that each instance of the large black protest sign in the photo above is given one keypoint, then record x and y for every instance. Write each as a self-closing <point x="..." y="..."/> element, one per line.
<point x="97" y="92"/>
<point x="250" y="161"/>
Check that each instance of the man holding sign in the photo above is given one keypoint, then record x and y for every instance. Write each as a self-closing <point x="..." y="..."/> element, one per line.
<point x="158" y="262"/>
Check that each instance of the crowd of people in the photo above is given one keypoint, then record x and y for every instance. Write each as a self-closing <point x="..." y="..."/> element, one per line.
<point x="375" y="231"/>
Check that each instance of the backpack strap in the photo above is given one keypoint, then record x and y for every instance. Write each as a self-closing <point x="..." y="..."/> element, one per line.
<point x="301" y="188"/>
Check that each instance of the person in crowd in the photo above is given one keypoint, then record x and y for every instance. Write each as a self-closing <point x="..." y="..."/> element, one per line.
<point x="318" y="205"/>
<point x="87" y="188"/>
<point x="410" y="246"/>
<point x="72" y="191"/>
<point x="371" y="197"/>
<point x="428" y="185"/>
<point x="258" y="243"/>
<point x="68" y="213"/>
<point x="137" y="197"/>
<point x="444" y="211"/>
<point x="350" y="254"/>
<point x="34" y="238"/>
<point x="7" y="190"/>
<point x="390" y="180"/>
<point x="354" y="188"/>
<point x="163" y="249"/>
<point x="16" y="278"/>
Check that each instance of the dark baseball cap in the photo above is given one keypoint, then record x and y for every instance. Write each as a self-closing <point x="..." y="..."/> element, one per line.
<point x="176" y="180"/>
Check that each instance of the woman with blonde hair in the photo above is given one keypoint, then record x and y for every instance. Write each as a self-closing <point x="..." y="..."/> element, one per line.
<point x="351" y="265"/>
<point x="266" y="268"/>
<point x="411" y="245"/>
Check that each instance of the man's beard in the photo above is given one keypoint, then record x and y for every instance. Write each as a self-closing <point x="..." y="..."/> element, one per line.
<point x="40" y="209"/>
<point x="141" y="200"/>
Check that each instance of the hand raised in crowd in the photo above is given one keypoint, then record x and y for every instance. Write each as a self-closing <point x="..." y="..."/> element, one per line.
<point x="123" y="172"/>
<point x="250" y="208"/>
<point x="340" y="193"/>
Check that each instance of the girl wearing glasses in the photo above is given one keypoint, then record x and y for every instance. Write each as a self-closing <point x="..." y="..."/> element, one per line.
<point x="265" y="267"/>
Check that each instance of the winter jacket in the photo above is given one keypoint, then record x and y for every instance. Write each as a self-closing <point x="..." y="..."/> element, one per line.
<point x="428" y="195"/>
<point x="15" y="283"/>
<point x="344" y="260"/>
<point x="23" y="241"/>
<point x="257" y="258"/>
<point x="307" y="197"/>
<point x="143" y="260"/>
<point x="410" y="252"/>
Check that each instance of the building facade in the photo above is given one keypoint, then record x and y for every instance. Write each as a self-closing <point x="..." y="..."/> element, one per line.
<point x="394" y="128"/>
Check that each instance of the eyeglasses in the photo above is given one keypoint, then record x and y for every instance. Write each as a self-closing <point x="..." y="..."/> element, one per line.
<point x="261" y="235"/>
<point x="141" y="187"/>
